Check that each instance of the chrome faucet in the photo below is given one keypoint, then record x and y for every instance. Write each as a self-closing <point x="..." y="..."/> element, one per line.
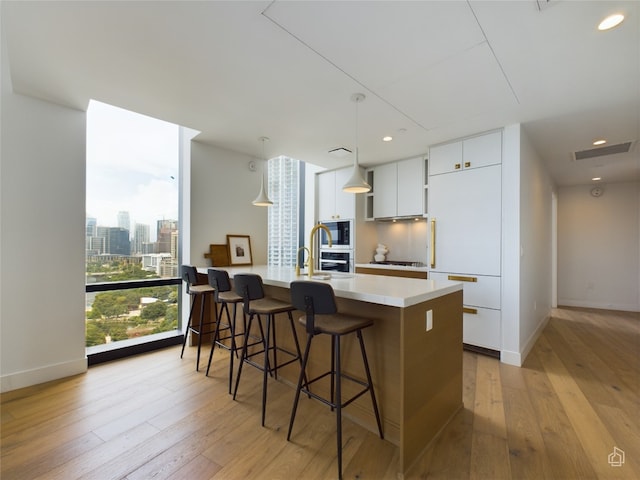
<point x="303" y="262"/>
<point x="313" y="232"/>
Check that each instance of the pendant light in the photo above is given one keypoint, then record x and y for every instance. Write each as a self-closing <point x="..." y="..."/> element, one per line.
<point x="356" y="184"/>
<point x="262" y="200"/>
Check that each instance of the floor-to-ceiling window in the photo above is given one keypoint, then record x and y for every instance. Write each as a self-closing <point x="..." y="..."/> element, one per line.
<point x="132" y="226"/>
<point x="286" y="215"/>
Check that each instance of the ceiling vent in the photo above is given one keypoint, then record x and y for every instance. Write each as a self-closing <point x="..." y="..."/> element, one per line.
<point x="602" y="151"/>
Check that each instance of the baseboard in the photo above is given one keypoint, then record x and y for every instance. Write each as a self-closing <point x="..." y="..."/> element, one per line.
<point x="599" y="305"/>
<point x="27" y="378"/>
<point x="517" y="358"/>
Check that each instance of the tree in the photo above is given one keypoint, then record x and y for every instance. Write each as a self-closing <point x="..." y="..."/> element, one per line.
<point x="110" y="304"/>
<point x="153" y="311"/>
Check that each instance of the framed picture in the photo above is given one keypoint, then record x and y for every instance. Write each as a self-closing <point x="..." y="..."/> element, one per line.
<point x="239" y="249"/>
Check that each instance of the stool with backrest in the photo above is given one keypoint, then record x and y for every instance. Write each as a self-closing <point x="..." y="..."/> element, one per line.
<point x="257" y="305"/>
<point x="224" y="295"/>
<point x="318" y="301"/>
<point x="190" y="277"/>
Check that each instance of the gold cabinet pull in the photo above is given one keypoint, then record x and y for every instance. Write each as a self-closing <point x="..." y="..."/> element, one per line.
<point x="467" y="164"/>
<point x="460" y="278"/>
<point x="457" y="166"/>
<point x="472" y="311"/>
<point x="433" y="243"/>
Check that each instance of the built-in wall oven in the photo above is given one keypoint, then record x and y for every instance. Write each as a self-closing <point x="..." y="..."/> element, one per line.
<point x="336" y="260"/>
<point x="341" y="234"/>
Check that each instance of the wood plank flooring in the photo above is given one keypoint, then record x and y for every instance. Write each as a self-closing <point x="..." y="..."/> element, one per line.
<point x="152" y="416"/>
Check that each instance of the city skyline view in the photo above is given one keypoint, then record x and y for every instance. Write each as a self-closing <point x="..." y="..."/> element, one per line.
<point x="132" y="166"/>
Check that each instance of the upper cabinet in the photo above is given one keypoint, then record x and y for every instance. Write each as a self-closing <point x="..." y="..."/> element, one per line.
<point x="410" y="186"/>
<point x="399" y="189"/>
<point x="385" y="195"/>
<point x="473" y="152"/>
<point x="333" y="203"/>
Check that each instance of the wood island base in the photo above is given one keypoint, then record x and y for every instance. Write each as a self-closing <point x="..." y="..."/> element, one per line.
<point x="417" y="374"/>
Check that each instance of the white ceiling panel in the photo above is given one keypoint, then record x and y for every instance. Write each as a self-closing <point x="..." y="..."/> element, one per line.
<point x="380" y="43"/>
<point x="432" y="71"/>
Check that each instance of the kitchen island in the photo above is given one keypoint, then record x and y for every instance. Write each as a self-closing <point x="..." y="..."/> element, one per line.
<point x="416" y="363"/>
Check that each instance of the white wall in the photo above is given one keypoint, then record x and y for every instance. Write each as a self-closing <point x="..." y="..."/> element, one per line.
<point x="527" y="224"/>
<point x="598" y="247"/>
<point x="510" y="281"/>
<point x="222" y="189"/>
<point x="42" y="218"/>
<point x="536" y="239"/>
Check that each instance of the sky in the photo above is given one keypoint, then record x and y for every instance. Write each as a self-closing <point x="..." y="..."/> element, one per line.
<point x="132" y="165"/>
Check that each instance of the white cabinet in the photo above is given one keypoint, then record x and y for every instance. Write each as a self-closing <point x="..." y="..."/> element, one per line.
<point x="399" y="188"/>
<point x="481" y="311"/>
<point x="333" y="203"/>
<point x="474" y="152"/>
<point x="465" y="210"/>
<point x="410" y="187"/>
<point x="385" y="195"/>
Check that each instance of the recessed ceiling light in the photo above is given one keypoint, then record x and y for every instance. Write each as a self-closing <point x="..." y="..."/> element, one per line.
<point x="595" y="179"/>
<point x="611" y="21"/>
<point x="600" y="142"/>
<point x="387" y="138"/>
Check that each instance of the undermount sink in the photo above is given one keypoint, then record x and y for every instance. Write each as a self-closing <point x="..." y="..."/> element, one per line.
<point x="339" y="275"/>
<point x="331" y="275"/>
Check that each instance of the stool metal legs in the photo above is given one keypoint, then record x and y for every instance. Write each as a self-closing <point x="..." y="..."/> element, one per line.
<point x="191" y="329"/>
<point x="268" y="342"/>
<point x="336" y="389"/>
<point x="233" y="348"/>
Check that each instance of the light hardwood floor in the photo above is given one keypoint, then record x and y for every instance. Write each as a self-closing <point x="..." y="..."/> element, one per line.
<point x="558" y="417"/>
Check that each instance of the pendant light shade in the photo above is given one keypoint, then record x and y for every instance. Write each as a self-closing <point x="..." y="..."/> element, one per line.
<point x="262" y="200"/>
<point x="356" y="184"/>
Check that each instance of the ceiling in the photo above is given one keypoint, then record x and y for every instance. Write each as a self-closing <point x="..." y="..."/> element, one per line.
<point x="431" y="71"/>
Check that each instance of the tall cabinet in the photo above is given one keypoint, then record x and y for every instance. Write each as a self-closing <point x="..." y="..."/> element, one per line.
<point x="465" y="212"/>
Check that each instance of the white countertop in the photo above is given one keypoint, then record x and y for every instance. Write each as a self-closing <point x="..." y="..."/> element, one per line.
<point x="384" y="290"/>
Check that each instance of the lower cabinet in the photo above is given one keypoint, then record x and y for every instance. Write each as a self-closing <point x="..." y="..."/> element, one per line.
<point x="481" y="301"/>
<point x="481" y="327"/>
<point x="392" y="273"/>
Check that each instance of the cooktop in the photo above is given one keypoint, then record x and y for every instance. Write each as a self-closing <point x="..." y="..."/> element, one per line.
<point x="399" y="263"/>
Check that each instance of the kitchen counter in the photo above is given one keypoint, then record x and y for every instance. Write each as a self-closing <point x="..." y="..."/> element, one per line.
<point x="416" y="364"/>
<point x="391" y="291"/>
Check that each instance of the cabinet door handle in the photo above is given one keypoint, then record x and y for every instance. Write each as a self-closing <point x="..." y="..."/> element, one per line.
<point x="460" y="278"/>
<point x="472" y="311"/>
<point x="467" y="164"/>
<point x="457" y="166"/>
<point x="433" y="243"/>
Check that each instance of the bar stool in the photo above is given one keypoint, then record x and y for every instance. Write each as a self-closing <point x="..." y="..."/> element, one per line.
<point x="224" y="295"/>
<point x="190" y="276"/>
<point x="255" y="303"/>
<point x="318" y="302"/>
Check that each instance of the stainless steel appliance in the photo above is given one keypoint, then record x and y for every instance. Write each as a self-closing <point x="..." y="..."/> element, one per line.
<point x="336" y="260"/>
<point x="341" y="234"/>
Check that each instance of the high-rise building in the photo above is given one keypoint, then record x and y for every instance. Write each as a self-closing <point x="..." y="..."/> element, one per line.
<point x="91" y="226"/>
<point x="118" y="241"/>
<point x="165" y="227"/>
<point x="140" y="238"/>
<point x="285" y="213"/>
<point x="124" y="220"/>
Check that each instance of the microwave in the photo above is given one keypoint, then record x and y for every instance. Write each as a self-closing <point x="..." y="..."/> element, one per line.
<point x="341" y="234"/>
